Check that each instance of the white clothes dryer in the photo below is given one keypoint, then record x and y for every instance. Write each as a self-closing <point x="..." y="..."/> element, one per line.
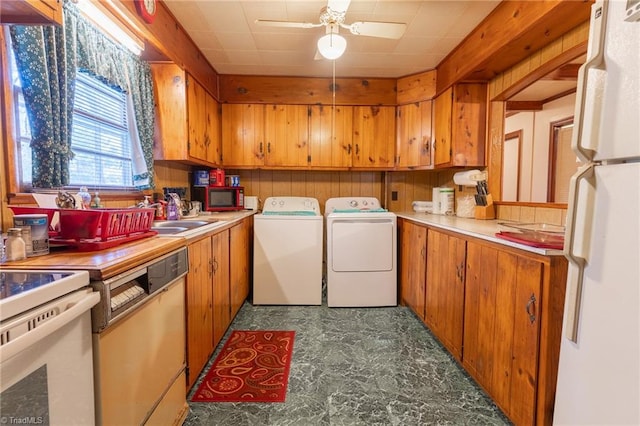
<point x="361" y="253"/>
<point x="287" y="258"/>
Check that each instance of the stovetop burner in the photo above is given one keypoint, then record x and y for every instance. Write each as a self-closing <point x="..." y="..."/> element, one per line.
<point x="14" y="283"/>
<point x="21" y="290"/>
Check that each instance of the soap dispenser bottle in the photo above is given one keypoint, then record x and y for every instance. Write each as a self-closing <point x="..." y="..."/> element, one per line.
<point x="172" y="209"/>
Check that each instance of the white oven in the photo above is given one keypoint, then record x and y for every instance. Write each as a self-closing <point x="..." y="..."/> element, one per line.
<point x="46" y="357"/>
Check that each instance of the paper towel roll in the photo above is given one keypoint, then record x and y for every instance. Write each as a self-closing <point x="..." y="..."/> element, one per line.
<point x="469" y="177"/>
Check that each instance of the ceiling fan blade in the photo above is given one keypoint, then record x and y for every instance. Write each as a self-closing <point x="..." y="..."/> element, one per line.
<point x="377" y="29"/>
<point x="338" y="5"/>
<point x="285" y="24"/>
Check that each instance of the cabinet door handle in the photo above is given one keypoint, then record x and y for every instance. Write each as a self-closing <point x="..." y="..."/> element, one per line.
<point x="260" y="147"/>
<point x="531" y="304"/>
<point x="268" y="147"/>
<point x="215" y="265"/>
<point x="357" y="149"/>
<point x="349" y="149"/>
<point x="423" y="251"/>
<point x="210" y="267"/>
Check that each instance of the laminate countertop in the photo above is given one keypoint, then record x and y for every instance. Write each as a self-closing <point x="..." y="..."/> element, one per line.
<point x="481" y="229"/>
<point x="110" y="262"/>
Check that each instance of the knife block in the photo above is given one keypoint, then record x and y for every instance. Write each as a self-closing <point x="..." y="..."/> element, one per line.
<point x="486" y="212"/>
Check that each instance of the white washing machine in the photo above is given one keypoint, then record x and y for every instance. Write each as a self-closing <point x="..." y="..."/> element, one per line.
<point x="361" y="253"/>
<point x="287" y="258"/>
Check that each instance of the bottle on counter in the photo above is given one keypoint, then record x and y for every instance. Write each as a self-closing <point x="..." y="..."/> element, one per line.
<point x="172" y="209"/>
<point x="84" y="197"/>
<point x="15" y="248"/>
<point x="96" y="203"/>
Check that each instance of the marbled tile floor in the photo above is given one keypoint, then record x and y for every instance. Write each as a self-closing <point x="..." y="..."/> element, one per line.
<point x="356" y="366"/>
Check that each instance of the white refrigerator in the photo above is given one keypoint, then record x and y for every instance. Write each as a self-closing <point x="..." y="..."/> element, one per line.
<point x="599" y="368"/>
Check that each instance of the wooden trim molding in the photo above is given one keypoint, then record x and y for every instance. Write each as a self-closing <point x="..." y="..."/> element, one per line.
<point x="307" y="91"/>
<point x="508" y="35"/>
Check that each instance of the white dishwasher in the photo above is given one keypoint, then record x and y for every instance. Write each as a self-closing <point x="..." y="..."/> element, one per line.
<point x="287" y="258"/>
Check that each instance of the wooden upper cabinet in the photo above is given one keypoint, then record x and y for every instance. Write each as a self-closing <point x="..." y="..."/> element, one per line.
<point x="213" y="130"/>
<point x="184" y="127"/>
<point x="31" y="12"/>
<point x="287" y="135"/>
<point x="243" y="135"/>
<point x="302" y="136"/>
<point x="374" y="129"/>
<point x="331" y="136"/>
<point x="460" y="125"/>
<point x="197" y="119"/>
<point x="414" y="135"/>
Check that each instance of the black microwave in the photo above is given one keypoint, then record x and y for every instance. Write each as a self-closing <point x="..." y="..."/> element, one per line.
<point x="219" y="198"/>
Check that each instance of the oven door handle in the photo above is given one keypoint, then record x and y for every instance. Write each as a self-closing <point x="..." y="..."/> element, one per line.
<point x="18" y="345"/>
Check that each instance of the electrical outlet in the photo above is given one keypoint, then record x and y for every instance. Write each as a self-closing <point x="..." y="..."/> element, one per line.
<point x="394" y="195"/>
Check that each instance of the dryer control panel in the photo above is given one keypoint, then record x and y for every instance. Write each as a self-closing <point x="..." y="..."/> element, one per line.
<point x="291" y="205"/>
<point x="351" y="203"/>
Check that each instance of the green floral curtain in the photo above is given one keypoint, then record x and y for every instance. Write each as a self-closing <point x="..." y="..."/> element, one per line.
<point x="46" y="64"/>
<point x="85" y="48"/>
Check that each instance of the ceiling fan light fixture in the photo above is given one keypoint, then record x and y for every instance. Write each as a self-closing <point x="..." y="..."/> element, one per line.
<point x="332" y="45"/>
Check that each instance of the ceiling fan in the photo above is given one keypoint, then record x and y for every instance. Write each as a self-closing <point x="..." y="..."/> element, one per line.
<point x="332" y="45"/>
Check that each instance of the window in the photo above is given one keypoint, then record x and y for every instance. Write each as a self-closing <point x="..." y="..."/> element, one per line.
<point x="106" y="147"/>
<point x="99" y="140"/>
<point x="99" y="136"/>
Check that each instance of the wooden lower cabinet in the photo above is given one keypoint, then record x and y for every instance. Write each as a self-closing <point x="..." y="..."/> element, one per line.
<point x="413" y="255"/>
<point x="221" y="286"/>
<point x="217" y="285"/>
<point x="239" y="244"/>
<point x="444" y="306"/>
<point x="498" y="310"/>
<point x="503" y="327"/>
<point x="199" y="305"/>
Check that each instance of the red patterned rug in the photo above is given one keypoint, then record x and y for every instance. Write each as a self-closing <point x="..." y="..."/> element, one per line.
<point x="253" y="366"/>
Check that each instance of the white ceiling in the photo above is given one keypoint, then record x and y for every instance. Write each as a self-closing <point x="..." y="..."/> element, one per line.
<point x="226" y="33"/>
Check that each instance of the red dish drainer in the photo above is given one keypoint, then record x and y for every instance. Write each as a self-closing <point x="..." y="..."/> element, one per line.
<point x="96" y="229"/>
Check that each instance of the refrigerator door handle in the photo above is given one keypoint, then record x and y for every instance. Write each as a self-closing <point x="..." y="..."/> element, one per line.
<point x="576" y="262"/>
<point x="595" y="59"/>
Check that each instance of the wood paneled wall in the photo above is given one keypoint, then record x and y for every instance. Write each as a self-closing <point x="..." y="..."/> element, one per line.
<point x="316" y="184"/>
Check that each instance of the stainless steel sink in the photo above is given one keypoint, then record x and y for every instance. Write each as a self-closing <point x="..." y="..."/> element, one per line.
<point x="177" y="227"/>
<point x="184" y="223"/>
<point x="168" y="230"/>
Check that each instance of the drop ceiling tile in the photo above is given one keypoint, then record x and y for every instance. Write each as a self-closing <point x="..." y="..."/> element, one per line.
<point x="384" y="8"/>
<point x="205" y="40"/>
<point x="300" y="42"/>
<point x="226" y="16"/>
<point x="236" y="41"/>
<point x="243" y="57"/>
<point x="408" y="45"/>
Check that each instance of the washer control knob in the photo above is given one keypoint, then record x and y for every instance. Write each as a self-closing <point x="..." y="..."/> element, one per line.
<point x="281" y="203"/>
<point x="273" y="202"/>
<point x="353" y="203"/>
<point x="364" y="202"/>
